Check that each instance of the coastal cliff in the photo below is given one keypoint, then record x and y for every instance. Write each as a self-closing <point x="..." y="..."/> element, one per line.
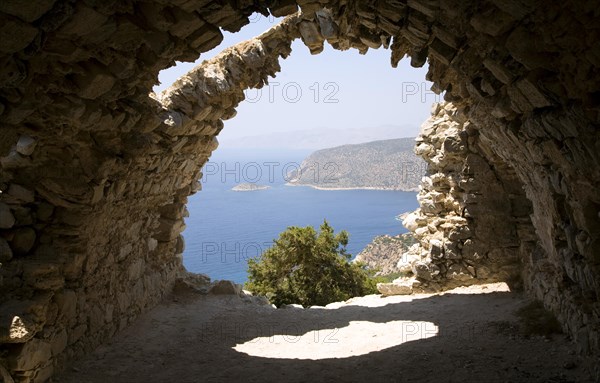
<point x="385" y="164"/>
<point x="388" y="254"/>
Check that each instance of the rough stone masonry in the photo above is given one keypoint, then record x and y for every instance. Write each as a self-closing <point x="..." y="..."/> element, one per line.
<point x="96" y="171"/>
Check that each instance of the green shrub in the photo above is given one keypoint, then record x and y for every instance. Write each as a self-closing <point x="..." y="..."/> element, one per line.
<point x="308" y="268"/>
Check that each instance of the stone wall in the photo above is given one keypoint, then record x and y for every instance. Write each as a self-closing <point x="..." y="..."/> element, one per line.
<point x="94" y="188"/>
<point x="473" y="223"/>
<point x="95" y="173"/>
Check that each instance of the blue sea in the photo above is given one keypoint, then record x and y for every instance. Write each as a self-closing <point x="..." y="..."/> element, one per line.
<point x="225" y="228"/>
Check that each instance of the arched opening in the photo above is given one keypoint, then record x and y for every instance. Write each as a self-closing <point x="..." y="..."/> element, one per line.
<point x="95" y="176"/>
<point x="315" y="102"/>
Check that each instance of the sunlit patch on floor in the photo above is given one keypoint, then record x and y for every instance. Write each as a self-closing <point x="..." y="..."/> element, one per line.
<point x="358" y="338"/>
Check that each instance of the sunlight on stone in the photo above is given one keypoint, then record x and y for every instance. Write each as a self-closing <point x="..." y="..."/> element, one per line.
<point x="358" y="338"/>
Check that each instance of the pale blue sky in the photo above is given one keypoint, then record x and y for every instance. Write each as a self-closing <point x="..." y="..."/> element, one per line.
<point x="335" y="90"/>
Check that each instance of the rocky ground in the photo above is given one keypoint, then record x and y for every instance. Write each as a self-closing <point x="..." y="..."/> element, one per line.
<point x="387" y="254"/>
<point x="465" y="335"/>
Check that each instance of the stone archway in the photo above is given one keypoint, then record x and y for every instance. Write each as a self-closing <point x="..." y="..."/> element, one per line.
<point x="95" y="174"/>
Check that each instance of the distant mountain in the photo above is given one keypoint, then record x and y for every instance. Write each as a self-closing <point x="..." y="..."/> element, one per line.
<point x="385" y="164"/>
<point x="316" y="138"/>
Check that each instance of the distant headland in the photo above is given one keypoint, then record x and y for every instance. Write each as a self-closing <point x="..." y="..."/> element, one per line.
<point x="247" y="186"/>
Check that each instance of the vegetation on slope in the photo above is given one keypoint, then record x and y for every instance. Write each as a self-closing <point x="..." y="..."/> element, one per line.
<point x="308" y="268"/>
<point x="385" y="164"/>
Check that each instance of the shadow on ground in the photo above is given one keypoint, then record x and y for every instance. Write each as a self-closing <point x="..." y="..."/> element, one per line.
<point x="440" y="338"/>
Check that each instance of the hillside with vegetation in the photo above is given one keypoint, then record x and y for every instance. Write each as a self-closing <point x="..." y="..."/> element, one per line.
<point x="388" y="255"/>
<point x="386" y="165"/>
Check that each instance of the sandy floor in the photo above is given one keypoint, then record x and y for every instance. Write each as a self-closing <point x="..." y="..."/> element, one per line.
<point x="467" y="335"/>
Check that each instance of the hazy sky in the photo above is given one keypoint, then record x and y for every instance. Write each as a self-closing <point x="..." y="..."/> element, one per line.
<point x="335" y="89"/>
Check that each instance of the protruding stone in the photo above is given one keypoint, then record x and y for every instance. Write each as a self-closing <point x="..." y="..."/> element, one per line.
<point x="15" y="35"/>
<point x="283" y="8"/>
<point x="33" y="354"/>
<point x="152" y="244"/>
<point x="27" y="11"/>
<point x="21" y="193"/>
<point x="44" y="211"/>
<point x="13" y="161"/>
<point x="23" y="240"/>
<point x="5" y="251"/>
<point x="26" y="145"/>
<point x="395" y="288"/>
<point x="7" y="219"/>
<point x="225" y="288"/>
<point x="311" y="36"/>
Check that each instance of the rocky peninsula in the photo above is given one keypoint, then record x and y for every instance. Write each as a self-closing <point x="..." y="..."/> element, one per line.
<point x="381" y="165"/>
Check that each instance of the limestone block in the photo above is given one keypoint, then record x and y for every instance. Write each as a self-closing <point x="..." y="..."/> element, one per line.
<point x="458" y="273"/>
<point x="7" y="219"/>
<point x="95" y="319"/>
<point x="492" y="22"/>
<point x="523" y="46"/>
<point x="517" y="8"/>
<point x="157" y="15"/>
<point x="5" y="251"/>
<point x="388" y="289"/>
<point x="393" y="11"/>
<point x="21" y="193"/>
<point x="43" y="274"/>
<point x="67" y="305"/>
<point x="184" y="23"/>
<point x="425" y="270"/>
<point x="26" y="145"/>
<point x="27" y="11"/>
<point x="283" y="8"/>
<point x="44" y="373"/>
<point x="76" y="333"/>
<point x="410" y="221"/>
<point x="225" y="288"/>
<point x="442" y="52"/>
<point x="96" y="82"/>
<point x="136" y="269"/>
<point x="172" y="211"/>
<point x="311" y="37"/>
<point x="59" y="342"/>
<point x="389" y="27"/>
<point x="329" y="29"/>
<point x="532" y="93"/>
<point x="23" y="240"/>
<point x="499" y="71"/>
<point x="169" y="229"/>
<point x="405" y="264"/>
<point x="33" y="354"/>
<point x="428" y="7"/>
<point x="205" y="38"/>
<point x="15" y="35"/>
<point x="13" y="161"/>
<point x="152" y="244"/>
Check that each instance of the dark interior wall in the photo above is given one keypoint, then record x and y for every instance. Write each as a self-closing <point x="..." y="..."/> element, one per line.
<point x="95" y="174"/>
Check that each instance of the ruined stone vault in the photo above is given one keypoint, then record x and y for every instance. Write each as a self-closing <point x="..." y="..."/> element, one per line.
<point x="96" y="173"/>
